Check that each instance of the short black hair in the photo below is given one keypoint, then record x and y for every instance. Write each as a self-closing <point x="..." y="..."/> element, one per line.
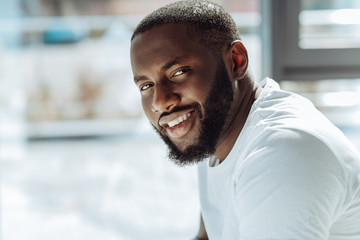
<point x="208" y="22"/>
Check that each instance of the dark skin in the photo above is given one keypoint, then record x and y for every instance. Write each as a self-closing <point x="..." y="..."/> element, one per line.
<point x="173" y="70"/>
<point x="170" y="76"/>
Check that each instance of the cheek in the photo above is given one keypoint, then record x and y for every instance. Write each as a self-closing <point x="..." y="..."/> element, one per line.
<point x="146" y="104"/>
<point x="198" y="90"/>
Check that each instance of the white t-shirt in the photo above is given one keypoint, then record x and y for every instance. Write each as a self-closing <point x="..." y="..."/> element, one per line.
<point x="290" y="175"/>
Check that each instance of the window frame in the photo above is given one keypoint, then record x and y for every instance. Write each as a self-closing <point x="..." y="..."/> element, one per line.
<point x="290" y="62"/>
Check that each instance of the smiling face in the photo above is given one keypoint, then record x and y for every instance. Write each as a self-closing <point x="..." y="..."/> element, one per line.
<point x="185" y="90"/>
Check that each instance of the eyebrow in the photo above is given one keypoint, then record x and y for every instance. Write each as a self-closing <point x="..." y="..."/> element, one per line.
<point x="138" y="79"/>
<point x="171" y="63"/>
<point x="168" y="65"/>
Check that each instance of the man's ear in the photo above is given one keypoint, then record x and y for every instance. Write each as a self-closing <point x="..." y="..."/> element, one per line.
<point x="240" y="61"/>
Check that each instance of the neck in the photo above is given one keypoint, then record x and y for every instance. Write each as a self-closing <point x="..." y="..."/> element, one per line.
<point x="245" y="94"/>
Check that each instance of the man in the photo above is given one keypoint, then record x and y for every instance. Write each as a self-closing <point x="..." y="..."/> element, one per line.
<point x="270" y="165"/>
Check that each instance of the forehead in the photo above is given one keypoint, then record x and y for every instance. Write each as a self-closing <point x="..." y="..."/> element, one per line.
<point x="169" y="34"/>
<point x="162" y="43"/>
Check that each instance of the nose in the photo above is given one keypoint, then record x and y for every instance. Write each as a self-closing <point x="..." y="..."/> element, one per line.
<point x="164" y="99"/>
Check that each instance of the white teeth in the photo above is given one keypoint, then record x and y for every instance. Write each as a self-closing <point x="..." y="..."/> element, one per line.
<point x="179" y="120"/>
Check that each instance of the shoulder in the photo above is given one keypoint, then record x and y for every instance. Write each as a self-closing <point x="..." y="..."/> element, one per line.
<point x="290" y="178"/>
<point x="290" y="152"/>
<point x="291" y="164"/>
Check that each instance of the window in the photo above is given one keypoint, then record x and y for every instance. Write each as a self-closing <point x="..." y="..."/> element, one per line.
<point x="313" y="40"/>
<point x="329" y="24"/>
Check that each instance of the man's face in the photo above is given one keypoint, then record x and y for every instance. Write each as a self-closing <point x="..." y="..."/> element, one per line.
<point x="185" y="90"/>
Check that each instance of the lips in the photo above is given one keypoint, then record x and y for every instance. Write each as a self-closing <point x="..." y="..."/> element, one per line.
<point x="178" y="124"/>
<point x="179" y="120"/>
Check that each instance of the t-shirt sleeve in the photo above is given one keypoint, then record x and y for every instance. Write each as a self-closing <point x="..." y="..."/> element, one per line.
<point x="290" y="186"/>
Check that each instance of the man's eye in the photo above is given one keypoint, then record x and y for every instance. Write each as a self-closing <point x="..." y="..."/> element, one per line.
<point x="145" y="87"/>
<point x="181" y="71"/>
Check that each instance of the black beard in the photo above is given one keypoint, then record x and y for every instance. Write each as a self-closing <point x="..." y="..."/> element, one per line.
<point x="212" y="121"/>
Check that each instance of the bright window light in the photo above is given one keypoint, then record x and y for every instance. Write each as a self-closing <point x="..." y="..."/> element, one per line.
<point x="341" y="99"/>
<point x="346" y="16"/>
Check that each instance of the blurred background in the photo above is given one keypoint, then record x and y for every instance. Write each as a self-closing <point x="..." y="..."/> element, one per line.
<point x="78" y="158"/>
